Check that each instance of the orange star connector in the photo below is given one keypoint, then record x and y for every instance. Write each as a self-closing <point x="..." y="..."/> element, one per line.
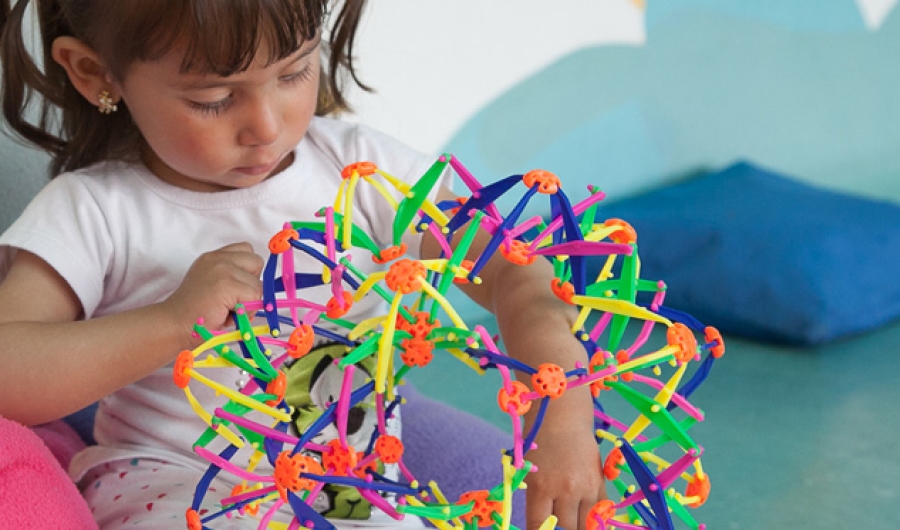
<point x="362" y="169"/>
<point x="601" y="512"/>
<point x="516" y="398"/>
<point x="252" y="508"/>
<point x="614" y="459"/>
<point x="389" y="448"/>
<point x="421" y="327"/>
<point x="405" y="276"/>
<point x="183" y="365"/>
<point x="277" y="388"/>
<point x="622" y="357"/>
<point x="711" y="335"/>
<point x="549" y="380"/>
<point x="598" y="361"/>
<point x="681" y="337"/>
<point x="281" y="242"/>
<point x="288" y="469"/>
<point x="193" y="519"/>
<point x="416" y="352"/>
<point x="517" y="252"/>
<point x="546" y="182"/>
<point x="563" y="290"/>
<point x="390" y="254"/>
<point x="466" y="265"/>
<point x="483" y="510"/>
<point x="698" y="487"/>
<point x="334" y="309"/>
<point x="339" y="459"/>
<point x="301" y="341"/>
<point x="625" y="234"/>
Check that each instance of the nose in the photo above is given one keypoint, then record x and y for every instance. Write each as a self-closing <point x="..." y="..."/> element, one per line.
<point x="260" y="123"/>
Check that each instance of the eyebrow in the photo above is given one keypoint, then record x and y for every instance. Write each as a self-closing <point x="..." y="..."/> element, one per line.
<point x="223" y="82"/>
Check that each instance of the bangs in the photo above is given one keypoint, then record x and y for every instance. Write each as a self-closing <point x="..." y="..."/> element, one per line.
<point x="220" y="37"/>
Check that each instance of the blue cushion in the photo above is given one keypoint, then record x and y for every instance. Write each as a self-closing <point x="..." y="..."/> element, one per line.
<point x="767" y="257"/>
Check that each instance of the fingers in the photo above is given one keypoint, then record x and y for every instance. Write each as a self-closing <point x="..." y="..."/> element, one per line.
<point x="570" y="514"/>
<point x="237" y="248"/>
<point x="235" y="269"/>
<point x="584" y="509"/>
<point x="238" y="268"/>
<point x="570" y="504"/>
<point x="215" y="283"/>
<point x="243" y="256"/>
<point x="243" y="284"/>
<point x="566" y="512"/>
<point x="537" y="509"/>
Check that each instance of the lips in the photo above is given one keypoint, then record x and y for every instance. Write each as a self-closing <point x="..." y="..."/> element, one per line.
<point x="259" y="169"/>
<point x="256" y="170"/>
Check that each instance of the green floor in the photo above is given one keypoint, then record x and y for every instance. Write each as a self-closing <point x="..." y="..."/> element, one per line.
<point x="794" y="437"/>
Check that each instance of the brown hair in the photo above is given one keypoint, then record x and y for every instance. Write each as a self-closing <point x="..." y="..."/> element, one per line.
<point x="221" y="37"/>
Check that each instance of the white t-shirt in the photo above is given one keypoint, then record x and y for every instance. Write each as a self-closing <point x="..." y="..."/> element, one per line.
<point x="124" y="239"/>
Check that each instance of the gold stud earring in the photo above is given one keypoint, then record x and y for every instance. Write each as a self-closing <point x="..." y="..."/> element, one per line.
<point x="106" y="103"/>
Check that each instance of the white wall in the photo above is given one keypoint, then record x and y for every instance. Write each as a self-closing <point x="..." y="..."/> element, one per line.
<point x="434" y="64"/>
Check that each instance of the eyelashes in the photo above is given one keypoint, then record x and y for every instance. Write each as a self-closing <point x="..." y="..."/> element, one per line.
<point x="303" y="75"/>
<point x="216" y="108"/>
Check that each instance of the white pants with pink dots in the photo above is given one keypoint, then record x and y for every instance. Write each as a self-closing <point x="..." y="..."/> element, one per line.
<point x="151" y="494"/>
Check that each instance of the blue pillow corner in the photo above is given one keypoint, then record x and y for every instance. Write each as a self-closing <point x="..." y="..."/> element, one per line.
<point x="768" y="257"/>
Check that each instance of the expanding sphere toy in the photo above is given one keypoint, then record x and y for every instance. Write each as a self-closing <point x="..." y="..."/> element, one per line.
<point x="653" y="385"/>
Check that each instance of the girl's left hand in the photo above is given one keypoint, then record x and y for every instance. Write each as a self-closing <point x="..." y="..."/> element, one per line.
<point x="569" y="480"/>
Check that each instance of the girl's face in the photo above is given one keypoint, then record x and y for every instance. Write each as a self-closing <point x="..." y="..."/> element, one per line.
<point x="205" y="132"/>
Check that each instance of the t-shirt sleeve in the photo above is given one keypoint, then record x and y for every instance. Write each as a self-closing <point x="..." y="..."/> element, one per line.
<point x="64" y="225"/>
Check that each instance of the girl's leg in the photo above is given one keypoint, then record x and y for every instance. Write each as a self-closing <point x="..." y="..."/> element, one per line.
<point x="144" y="493"/>
<point x="459" y="451"/>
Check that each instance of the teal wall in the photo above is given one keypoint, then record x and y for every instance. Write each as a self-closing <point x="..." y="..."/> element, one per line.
<point x="801" y="87"/>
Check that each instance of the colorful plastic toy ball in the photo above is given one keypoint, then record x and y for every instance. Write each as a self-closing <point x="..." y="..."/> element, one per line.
<point x="298" y="458"/>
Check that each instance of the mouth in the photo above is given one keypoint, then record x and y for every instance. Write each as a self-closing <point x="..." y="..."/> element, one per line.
<point x="259" y="169"/>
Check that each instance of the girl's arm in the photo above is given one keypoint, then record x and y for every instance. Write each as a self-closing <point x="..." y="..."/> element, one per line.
<point x="536" y="328"/>
<point x="55" y="363"/>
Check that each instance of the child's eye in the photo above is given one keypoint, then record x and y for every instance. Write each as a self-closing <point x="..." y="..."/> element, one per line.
<point x="214" y="108"/>
<point x="297" y="77"/>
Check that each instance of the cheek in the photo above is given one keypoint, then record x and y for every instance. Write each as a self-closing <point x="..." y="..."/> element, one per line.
<point x="299" y="112"/>
<point x="190" y="144"/>
<point x="197" y="143"/>
<point x="160" y="130"/>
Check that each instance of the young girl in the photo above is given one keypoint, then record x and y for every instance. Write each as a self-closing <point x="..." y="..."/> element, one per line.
<point x="185" y="133"/>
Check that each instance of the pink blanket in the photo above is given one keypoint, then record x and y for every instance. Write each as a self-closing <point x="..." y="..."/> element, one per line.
<point x="35" y="491"/>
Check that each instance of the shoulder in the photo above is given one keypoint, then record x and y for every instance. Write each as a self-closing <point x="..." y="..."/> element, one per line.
<point x="98" y="180"/>
<point x="348" y="142"/>
<point x="81" y="199"/>
<point x="68" y="226"/>
<point x="347" y="135"/>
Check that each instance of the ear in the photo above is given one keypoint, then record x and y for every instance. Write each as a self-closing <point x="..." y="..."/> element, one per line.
<point x="87" y="72"/>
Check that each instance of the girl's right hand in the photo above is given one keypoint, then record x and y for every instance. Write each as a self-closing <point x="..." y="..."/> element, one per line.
<point x="214" y="284"/>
